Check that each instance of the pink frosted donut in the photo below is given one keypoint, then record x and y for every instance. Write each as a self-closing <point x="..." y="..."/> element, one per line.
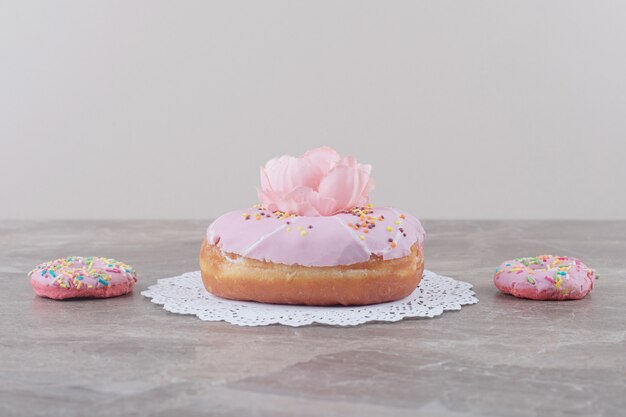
<point x="545" y="277"/>
<point x="76" y="276"/>
<point x="365" y="255"/>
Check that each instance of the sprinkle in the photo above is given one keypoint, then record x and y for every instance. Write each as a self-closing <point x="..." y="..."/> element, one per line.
<point x="402" y="216"/>
<point x="389" y="229"/>
<point x="303" y="233"/>
<point x="289" y="229"/>
<point x="398" y="222"/>
<point x="103" y="282"/>
<point x="362" y="237"/>
<point x="529" y="279"/>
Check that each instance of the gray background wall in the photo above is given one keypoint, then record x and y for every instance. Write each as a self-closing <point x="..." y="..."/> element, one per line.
<point x="166" y="109"/>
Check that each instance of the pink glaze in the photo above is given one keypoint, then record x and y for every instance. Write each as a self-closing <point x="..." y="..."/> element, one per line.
<point x="342" y="239"/>
<point x="59" y="293"/>
<point x="545" y="277"/>
<point x="76" y="276"/>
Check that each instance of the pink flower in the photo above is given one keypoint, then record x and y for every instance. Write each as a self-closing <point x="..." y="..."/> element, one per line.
<point x="319" y="183"/>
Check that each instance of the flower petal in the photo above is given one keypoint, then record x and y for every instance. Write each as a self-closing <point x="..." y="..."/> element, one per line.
<point x="298" y="201"/>
<point x="288" y="172"/>
<point x="265" y="181"/>
<point x="323" y="159"/>
<point x="346" y="186"/>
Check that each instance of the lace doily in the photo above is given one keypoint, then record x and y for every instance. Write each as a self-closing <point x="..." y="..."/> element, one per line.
<point x="185" y="294"/>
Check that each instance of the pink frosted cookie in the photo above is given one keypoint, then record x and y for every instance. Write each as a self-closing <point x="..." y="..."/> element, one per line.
<point x="545" y="277"/>
<point x="76" y="276"/>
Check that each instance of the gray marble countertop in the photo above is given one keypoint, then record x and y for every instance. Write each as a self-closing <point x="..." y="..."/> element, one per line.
<point x="126" y="356"/>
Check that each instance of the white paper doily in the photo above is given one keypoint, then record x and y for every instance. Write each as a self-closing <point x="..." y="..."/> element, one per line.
<point x="185" y="294"/>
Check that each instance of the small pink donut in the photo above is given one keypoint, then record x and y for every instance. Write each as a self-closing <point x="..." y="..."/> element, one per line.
<point x="545" y="277"/>
<point x="76" y="276"/>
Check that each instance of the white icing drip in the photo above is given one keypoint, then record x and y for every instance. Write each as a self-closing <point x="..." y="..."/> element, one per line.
<point x="211" y="236"/>
<point x="231" y="260"/>
<point x="262" y="238"/>
<point x="361" y="243"/>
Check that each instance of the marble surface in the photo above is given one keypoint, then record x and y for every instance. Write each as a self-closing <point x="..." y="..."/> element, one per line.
<point x="128" y="357"/>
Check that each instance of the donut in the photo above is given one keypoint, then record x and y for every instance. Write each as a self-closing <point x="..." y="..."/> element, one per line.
<point x="545" y="277"/>
<point x="314" y="239"/>
<point x="79" y="277"/>
<point x="363" y="255"/>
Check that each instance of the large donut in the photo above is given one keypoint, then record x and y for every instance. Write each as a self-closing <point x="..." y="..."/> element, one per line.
<point x="545" y="277"/>
<point x="364" y="256"/>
